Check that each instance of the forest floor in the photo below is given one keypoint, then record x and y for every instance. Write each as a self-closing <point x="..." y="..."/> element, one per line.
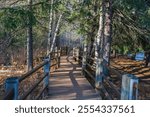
<point x="25" y="85"/>
<point x="124" y="65"/>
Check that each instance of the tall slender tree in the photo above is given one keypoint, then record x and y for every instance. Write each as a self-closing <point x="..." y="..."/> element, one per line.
<point x="55" y="33"/>
<point x="99" y="48"/>
<point x="29" y="38"/>
<point x="50" y="27"/>
<point x="107" y="30"/>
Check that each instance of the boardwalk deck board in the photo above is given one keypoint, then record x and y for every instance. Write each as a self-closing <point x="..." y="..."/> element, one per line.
<point x="67" y="83"/>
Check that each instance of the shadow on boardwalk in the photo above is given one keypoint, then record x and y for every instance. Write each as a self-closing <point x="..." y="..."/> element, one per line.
<point x="67" y="83"/>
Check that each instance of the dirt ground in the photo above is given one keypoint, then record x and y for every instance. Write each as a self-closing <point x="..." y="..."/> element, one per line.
<point x="124" y="65"/>
<point x="6" y="72"/>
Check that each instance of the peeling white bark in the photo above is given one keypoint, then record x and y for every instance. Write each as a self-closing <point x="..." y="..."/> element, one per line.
<point x="108" y="32"/>
<point x="50" y="28"/>
<point x="55" y="33"/>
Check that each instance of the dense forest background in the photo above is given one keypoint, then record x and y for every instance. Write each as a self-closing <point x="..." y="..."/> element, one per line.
<point x="32" y="28"/>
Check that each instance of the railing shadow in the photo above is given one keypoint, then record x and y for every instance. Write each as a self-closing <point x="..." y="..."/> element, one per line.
<point x="78" y="90"/>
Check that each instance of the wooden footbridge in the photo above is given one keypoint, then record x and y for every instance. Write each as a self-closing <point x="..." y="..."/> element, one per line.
<point x="67" y="82"/>
<point x="72" y="79"/>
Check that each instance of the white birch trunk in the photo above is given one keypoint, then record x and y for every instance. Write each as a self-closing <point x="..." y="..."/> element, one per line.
<point x="50" y="28"/>
<point x="108" y="32"/>
<point x="99" y="50"/>
<point x="53" y="25"/>
<point x="98" y="39"/>
<point x="55" y="33"/>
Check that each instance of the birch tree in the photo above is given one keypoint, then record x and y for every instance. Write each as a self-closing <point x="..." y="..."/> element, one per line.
<point x="107" y="31"/>
<point x="99" y="38"/>
<point x="99" y="48"/>
<point x="55" y="33"/>
<point x="50" y="28"/>
<point x="58" y="12"/>
<point x="54" y="25"/>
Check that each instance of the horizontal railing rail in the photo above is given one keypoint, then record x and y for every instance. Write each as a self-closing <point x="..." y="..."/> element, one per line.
<point x="90" y="65"/>
<point x="12" y="83"/>
<point x="33" y="87"/>
<point x="23" y="77"/>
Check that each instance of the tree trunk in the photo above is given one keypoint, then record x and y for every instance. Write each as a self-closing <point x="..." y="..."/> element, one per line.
<point x="53" y="25"/>
<point x="29" y="40"/>
<point x="107" y="32"/>
<point x="99" y="37"/>
<point x="99" y="49"/>
<point x="50" y="28"/>
<point x="55" y="33"/>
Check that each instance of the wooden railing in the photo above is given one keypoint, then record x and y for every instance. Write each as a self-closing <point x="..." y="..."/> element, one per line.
<point x="98" y="72"/>
<point x="12" y="83"/>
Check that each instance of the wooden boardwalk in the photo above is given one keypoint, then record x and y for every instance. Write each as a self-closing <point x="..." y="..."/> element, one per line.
<point x="67" y="83"/>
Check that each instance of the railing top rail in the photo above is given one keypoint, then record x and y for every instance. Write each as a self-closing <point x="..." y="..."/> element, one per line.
<point x="12" y="83"/>
<point x="24" y="76"/>
<point x="33" y="87"/>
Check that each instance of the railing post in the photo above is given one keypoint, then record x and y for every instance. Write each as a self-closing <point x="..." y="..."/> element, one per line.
<point x="99" y="73"/>
<point x="73" y="52"/>
<point x="55" y="56"/>
<point x="129" y="89"/>
<point x="77" y="54"/>
<point x="105" y="68"/>
<point x="66" y="50"/>
<point x="12" y="83"/>
<point x="83" y="64"/>
<point x="59" y="57"/>
<point x="47" y="71"/>
<point x="84" y="57"/>
<point x="134" y="81"/>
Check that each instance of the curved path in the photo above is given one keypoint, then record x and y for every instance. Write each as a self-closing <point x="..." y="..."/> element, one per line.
<point x="67" y="83"/>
